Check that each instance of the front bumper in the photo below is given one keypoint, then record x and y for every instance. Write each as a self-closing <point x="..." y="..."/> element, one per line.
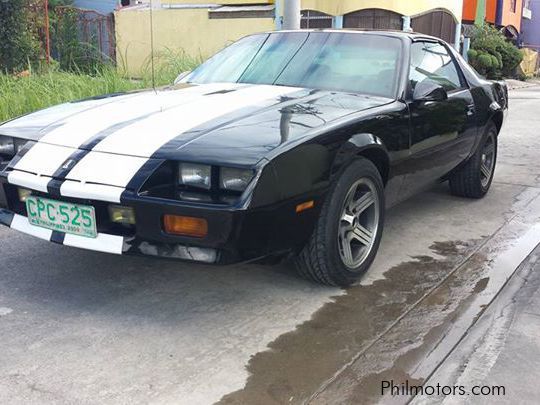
<point x="108" y="243"/>
<point x="234" y="235"/>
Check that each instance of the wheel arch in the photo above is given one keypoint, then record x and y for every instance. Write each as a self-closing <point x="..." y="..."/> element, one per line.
<point x="364" y="145"/>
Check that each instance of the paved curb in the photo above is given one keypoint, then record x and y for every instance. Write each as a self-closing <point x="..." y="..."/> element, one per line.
<point x="518" y="84"/>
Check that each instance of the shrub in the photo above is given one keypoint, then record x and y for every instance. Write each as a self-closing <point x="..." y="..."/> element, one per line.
<point x="73" y="54"/>
<point x="18" y="47"/>
<point x="492" y="55"/>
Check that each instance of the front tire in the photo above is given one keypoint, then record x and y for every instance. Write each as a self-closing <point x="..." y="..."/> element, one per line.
<point x="348" y="233"/>
<point x="474" y="178"/>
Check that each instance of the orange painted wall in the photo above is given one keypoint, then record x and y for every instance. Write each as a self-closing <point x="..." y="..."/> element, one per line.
<point x="510" y="18"/>
<point x="491" y="11"/>
<point x="469" y="10"/>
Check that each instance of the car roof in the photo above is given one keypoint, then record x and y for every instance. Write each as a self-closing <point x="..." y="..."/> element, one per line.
<point x="391" y="33"/>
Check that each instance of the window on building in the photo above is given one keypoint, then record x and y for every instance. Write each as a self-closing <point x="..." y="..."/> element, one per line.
<point x="315" y="19"/>
<point x="513" y="5"/>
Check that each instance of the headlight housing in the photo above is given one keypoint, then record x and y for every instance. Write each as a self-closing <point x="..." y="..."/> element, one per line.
<point x="201" y="177"/>
<point x="197" y="182"/>
<point x="10" y="146"/>
<point x="195" y="175"/>
<point x="234" y="179"/>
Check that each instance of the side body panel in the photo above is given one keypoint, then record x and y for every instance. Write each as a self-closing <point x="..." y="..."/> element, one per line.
<point x="442" y="136"/>
<point x="306" y="172"/>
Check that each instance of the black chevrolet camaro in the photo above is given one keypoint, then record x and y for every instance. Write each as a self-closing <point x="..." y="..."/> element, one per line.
<point x="283" y="143"/>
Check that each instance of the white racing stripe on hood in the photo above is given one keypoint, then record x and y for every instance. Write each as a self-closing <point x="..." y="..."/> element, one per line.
<point x="103" y="175"/>
<point x="88" y="191"/>
<point x="44" y="159"/>
<point x="28" y="180"/>
<point x="39" y="121"/>
<point x="106" y="168"/>
<point x="145" y="137"/>
<point x="75" y="130"/>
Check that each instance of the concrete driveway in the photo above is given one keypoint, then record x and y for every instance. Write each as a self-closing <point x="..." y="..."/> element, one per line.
<point x="83" y="327"/>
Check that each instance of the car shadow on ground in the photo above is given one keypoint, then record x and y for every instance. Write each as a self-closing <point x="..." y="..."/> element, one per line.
<point x="67" y="279"/>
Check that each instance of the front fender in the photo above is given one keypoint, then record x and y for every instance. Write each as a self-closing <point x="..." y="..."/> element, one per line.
<point x="366" y="145"/>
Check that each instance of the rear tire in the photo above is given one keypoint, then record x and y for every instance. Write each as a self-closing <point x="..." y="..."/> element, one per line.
<point x="473" y="180"/>
<point x="348" y="233"/>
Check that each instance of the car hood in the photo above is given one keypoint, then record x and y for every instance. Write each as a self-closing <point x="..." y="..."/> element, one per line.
<point x="240" y="123"/>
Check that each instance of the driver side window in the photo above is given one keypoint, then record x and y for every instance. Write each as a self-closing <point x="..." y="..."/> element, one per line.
<point x="431" y="61"/>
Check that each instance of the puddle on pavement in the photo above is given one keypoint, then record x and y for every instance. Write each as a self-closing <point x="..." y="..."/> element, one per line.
<point x="297" y="363"/>
<point x="415" y="347"/>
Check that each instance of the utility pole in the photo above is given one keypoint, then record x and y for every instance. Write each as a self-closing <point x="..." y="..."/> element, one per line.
<point x="291" y="15"/>
<point x="47" y="34"/>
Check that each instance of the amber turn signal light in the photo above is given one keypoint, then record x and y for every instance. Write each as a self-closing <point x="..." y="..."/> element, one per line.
<point x="185" y="226"/>
<point x="305" y="206"/>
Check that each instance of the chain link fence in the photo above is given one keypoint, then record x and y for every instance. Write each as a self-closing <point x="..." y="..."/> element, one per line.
<point x="74" y="37"/>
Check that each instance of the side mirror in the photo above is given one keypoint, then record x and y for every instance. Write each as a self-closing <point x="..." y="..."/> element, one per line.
<point x="428" y="90"/>
<point x="181" y="76"/>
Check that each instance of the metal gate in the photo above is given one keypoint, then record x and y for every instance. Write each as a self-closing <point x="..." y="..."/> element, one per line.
<point x="373" y="18"/>
<point x="95" y="31"/>
<point x="439" y="23"/>
<point x="315" y="19"/>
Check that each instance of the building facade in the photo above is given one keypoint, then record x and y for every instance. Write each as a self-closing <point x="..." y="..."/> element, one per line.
<point x="504" y="14"/>
<point x="476" y="11"/>
<point x="200" y="28"/>
<point x="509" y="14"/>
<point x="439" y="18"/>
<point x="530" y="25"/>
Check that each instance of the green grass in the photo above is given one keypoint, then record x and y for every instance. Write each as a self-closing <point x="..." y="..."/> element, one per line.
<point x="21" y="95"/>
<point x="26" y="94"/>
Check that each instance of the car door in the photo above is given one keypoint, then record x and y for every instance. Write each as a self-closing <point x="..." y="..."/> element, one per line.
<point x="442" y="132"/>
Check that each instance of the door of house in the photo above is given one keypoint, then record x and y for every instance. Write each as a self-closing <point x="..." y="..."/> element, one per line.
<point x="373" y="18"/>
<point x="439" y="23"/>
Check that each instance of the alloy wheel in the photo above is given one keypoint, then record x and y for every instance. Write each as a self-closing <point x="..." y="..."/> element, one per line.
<point x="487" y="161"/>
<point x="358" y="223"/>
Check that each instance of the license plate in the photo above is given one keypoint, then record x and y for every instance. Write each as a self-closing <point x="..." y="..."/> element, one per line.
<point x="63" y="217"/>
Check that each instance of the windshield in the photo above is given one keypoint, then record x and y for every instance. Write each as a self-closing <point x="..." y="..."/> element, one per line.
<point x="357" y="63"/>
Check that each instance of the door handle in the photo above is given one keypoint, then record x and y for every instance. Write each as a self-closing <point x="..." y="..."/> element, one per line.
<point x="470" y="109"/>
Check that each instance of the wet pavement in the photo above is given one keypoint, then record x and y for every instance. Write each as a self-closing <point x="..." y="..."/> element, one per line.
<point x="501" y="353"/>
<point x="82" y="327"/>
